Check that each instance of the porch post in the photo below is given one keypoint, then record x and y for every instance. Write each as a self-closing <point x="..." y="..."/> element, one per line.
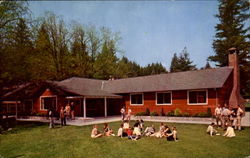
<point x="16" y="109"/>
<point x="84" y="107"/>
<point x="105" y="107"/>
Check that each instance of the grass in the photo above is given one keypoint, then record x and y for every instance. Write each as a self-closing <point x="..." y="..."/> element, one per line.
<point x="29" y="140"/>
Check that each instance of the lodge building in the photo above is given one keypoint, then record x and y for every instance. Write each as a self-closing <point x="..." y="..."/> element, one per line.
<point x="189" y="91"/>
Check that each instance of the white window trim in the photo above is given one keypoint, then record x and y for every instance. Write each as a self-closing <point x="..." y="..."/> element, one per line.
<point x="198" y="91"/>
<point x="49" y="96"/>
<point x="137" y="104"/>
<point x="156" y="99"/>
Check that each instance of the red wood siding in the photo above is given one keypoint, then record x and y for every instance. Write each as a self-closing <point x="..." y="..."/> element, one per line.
<point x="225" y="91"/>
<point x="179" y="100"/>
<point x="37" y="102"/>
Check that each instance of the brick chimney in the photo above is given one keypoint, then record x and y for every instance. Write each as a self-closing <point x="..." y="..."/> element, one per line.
<point x="235" y="97"/>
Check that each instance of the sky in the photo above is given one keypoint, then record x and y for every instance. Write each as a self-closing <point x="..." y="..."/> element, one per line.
<point x="151" y="31"/>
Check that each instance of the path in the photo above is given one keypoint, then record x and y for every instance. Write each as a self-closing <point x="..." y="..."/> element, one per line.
<point x="98" y="120"/>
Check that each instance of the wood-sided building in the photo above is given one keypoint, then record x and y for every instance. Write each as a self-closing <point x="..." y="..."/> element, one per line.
<point x="190" y="91"/>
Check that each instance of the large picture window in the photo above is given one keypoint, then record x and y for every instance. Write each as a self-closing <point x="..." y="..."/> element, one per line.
<point x="164" y="98"/>
<point x="136" y="99"/>
<point x="48" y="102"/>
<point x="197" y="97"/>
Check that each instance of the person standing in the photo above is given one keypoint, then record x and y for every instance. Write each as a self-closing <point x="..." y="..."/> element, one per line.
<point x="123" y="113"/>
<point x="239" y="115"/>
<point x="51" y="120"/>
<point x="72" y="109"/>
<point x="217" y="114"/>
<point x="67" y="109"/>
<point x="225" y="116"/>
<point x="62" y="116"/>
<point x="129" y="114"/>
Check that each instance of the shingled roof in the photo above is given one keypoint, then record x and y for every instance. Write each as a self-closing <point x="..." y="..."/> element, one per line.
<point x="86" y="87"/>
<point x="199" y="79"/>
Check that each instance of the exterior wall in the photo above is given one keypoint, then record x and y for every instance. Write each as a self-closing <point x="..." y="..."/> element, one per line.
<point x="225" y="91"/>
<point x="37" y="102"/>
<point x="179" y="100"/>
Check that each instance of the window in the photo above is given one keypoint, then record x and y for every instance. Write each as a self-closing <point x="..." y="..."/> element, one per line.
<point x="48" y="102"/>
<point x="136" y="99"/>
<point x="164" y="98"/>
<point x="197" y="97"/>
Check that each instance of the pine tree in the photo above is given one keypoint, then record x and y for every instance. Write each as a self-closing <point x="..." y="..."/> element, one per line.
<point x="232" y="32"/>
<point x="79" y="60"/>
<point x="106" y="62"/>
<point x="182" y="62"/>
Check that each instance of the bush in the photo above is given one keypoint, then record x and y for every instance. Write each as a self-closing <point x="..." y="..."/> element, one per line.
<point x="209" y="112"/>
<point x="185" y="114"/>
<point x="154" y="114"/>
<point x="162" y="112"/>
<point x="177" y="112"/>
<point x="202" y="114"/>
<point x="171" y="113"/>
<point x="141" y="114"/>
<point x="40" y="114"/>
<point x="147" y="112"/>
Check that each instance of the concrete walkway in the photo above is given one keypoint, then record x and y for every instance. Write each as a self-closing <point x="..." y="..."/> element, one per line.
<point x="99" y="120"/>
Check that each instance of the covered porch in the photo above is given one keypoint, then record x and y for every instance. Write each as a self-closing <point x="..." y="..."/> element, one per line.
<point x="96" y="106"/>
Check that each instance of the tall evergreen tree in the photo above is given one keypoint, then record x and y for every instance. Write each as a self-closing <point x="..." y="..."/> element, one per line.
<point x="80" y="60"/>
<point x="232" y="31"/>
<point x="182" y="62"/>
<point x="106" y="62"/>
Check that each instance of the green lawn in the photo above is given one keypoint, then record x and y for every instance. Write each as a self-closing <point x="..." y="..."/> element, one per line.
<point x="37" y="140"/>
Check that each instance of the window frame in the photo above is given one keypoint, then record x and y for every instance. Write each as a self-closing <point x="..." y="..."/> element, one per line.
<point x="136" y="104"/>
<point x="200" y="90"/>
<point x="156" y="98"/>
<point x="50" y="96"/>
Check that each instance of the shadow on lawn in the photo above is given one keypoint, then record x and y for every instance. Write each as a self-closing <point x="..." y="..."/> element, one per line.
<point x="23" y="126"/>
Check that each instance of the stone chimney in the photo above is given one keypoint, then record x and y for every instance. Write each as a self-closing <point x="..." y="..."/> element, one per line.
<point x="235" y="97"/>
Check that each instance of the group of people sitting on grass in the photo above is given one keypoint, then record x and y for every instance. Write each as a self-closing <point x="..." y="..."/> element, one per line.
<point x="137" y="131"/>
<point x="212" y="131"/>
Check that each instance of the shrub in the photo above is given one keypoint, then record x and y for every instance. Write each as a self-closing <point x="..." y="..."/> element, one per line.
<point x="185" y="114"/>
<point x="141" y="114"/>
<point x="202" y="114"/>
<point x="154" y="114"/>
<point x="177" y="112"/>
<point x="170" y="113"/>
<point x="162" y="112"/>
<point x="147" y="112"/>
<point x="209" y="112"/>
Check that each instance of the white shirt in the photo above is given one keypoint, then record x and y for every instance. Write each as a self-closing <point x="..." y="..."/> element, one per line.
<point x="119" y="133"/>
<point x="229" y="132"/>
<point x="239" y="111"/>
<point x="217" y="111"/>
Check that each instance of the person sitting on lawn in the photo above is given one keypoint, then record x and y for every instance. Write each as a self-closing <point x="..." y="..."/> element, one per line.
<point x="126" y="125"/>
<point x="107" y="131"/>
<point x="173" y="135"/>
<point x="160" y="133"/>
<point x="121" y="132"/>
<point x="230" y="132"/>
<point x="166" y="131"/>
<point x="95" y="133"/>
<point x="137" y="131"/>
<point x="211" y="130"/>
<point x="130" y="134"/>
<point x="149" y="130"/>
<point x="141" y="123"/>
